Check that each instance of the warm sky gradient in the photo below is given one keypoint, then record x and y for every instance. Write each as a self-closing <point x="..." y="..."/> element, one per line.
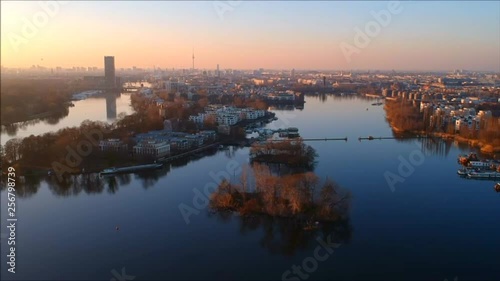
<point x="280" y="35"/>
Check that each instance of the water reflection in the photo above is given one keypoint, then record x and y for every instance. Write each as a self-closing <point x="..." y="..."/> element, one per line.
<point x="181" y="162"/>
<point x="103" y="107"/>
<point x="12" y="129"/>
<point x="30" y="186"/>
<point x="288" y="107"/>
<point x="287" y="236"/>
<point x="150" y="178"/>
<point x="111" y="106"/>
<point x="73" y="185"/>
<point x="323" y="97"/>
<point x="428" y="145"/>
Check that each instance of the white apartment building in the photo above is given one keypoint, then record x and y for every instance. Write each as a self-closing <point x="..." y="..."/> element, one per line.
<point x="200" y="118"/>
<point x="227" y="119"/>
<point x="227" y="115"/>
<point x="153" y="148"/>
<point x="112" y="145"/>
<point x="252" y="114"/>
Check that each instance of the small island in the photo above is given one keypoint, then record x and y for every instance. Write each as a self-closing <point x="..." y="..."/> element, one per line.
<point x="290" y="152"/>
<point x="291" y="196"/>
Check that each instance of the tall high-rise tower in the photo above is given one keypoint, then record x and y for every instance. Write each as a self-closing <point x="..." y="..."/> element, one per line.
<point x="109" y="72"/>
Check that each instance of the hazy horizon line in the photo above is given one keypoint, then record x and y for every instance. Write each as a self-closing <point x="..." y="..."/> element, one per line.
<point x="261" y="68"/>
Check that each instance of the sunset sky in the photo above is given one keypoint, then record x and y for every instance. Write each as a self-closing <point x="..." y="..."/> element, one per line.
<point x="279" y="35"/>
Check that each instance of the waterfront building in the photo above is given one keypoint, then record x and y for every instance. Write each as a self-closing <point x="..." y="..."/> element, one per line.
<point x="179" y="143"/>
<point x="153" y="148"/>
<point x="112" y="145"/>
<point x="227" y="119"/>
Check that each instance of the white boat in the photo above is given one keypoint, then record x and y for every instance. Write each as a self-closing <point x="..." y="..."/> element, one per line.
<point x="465" y="171"/>
<point x="483" y="175"/>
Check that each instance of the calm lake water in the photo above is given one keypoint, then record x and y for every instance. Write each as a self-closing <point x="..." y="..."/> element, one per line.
<point x="104" y="107"/>
<point x="433" y="225"/>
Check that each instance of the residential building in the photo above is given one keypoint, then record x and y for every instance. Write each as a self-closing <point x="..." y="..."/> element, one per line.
<point x="112" y="145"/>
<point x="227" y="119"/>
<point x="153" y="148"/>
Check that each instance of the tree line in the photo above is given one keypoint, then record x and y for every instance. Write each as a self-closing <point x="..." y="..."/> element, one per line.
<point x="28" y="98"/>
<point x="403" y="116"/>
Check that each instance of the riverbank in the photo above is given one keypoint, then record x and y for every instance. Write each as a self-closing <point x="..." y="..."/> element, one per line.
<point x="486" y="148"/>
<point x="100" y="164"/>
<point x="46" y="114"/>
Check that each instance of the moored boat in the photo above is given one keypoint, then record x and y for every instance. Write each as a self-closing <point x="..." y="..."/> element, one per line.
<point x="114" y="170"/>
<point x="497" y="187"/>
<point x="483" y="175"/>
<point x="462" y="172"/>
<point x="466" y="170"/>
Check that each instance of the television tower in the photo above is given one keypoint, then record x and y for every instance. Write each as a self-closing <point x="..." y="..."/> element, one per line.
<point x="193" y="59"/>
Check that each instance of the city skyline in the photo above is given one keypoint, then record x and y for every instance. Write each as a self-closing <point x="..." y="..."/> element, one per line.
<point x="237" y="35"/>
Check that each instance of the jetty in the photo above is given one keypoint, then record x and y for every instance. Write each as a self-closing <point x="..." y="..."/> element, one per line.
<point x="391" y="138"/>
<point x="315" y="139"/>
